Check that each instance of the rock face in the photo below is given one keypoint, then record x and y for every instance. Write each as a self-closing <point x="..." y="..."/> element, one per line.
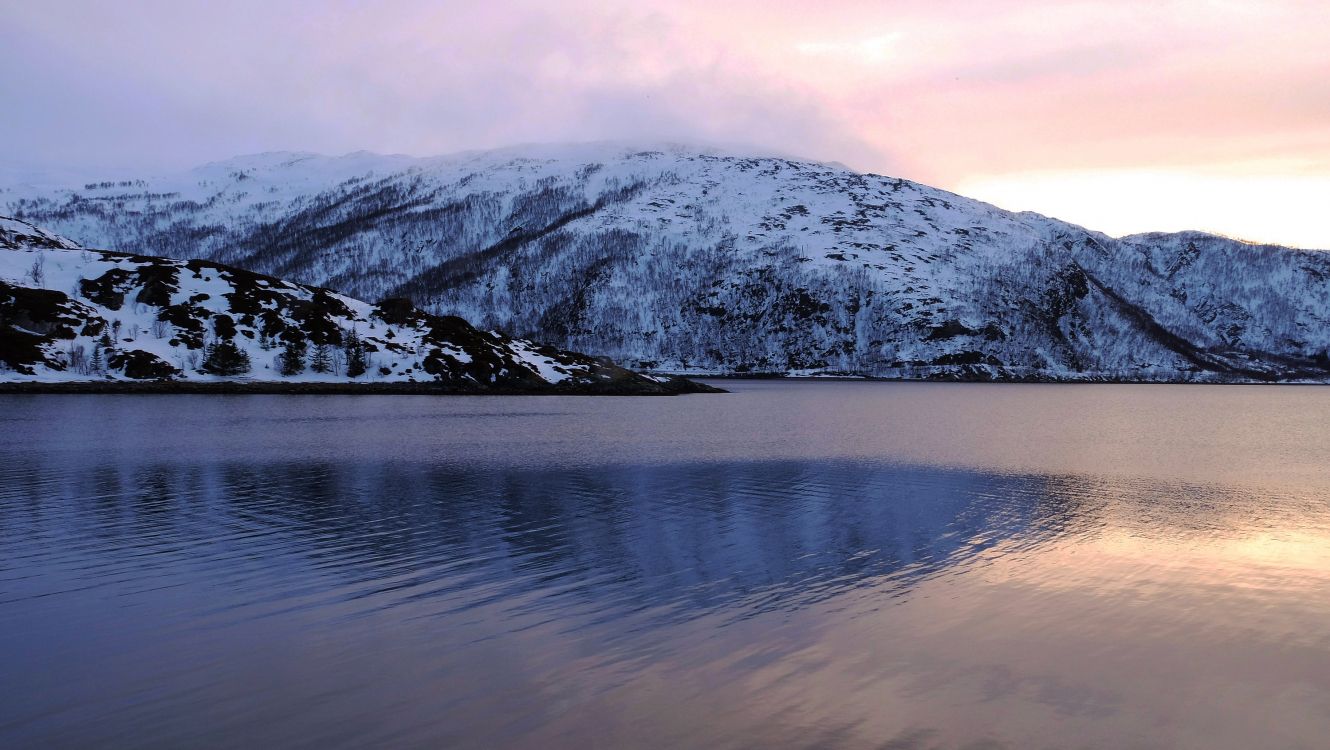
<point x="69" y="314"/>
<point x="676" y="260"/>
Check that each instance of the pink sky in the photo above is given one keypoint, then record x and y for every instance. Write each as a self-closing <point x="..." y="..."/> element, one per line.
<point x="1124" y="116"/>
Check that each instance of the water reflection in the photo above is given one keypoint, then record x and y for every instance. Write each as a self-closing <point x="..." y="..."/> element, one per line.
<point x="680" y="538"/>
<point x="182" y="600"/>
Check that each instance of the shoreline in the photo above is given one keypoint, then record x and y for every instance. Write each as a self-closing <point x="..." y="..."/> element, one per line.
<point x="960" y="379"/>
<point x="674" y="387"/>
<point x="678" y="385"/>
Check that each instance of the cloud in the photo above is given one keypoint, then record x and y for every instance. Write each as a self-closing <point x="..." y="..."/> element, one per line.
<point x="944" y="92"/>
<point x="871" y="50"/>
<point x="193" y="83"/>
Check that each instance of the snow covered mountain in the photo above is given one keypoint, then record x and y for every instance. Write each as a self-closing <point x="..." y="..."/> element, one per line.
<point x="680" y="260"/>
<point x="70" y="314"/>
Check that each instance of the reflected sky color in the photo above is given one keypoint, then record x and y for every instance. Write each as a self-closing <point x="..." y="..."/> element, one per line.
<point x="374" y="571"/>
<point x="1093" y="111"/>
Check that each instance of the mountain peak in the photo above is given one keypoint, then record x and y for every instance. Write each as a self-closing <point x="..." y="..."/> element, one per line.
<point x="675" y="258"/>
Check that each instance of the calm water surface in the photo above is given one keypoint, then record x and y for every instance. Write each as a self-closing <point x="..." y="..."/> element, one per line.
<point x="793" y="565"/>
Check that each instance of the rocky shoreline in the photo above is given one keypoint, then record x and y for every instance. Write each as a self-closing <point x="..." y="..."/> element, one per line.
<point x="670" y="387"/>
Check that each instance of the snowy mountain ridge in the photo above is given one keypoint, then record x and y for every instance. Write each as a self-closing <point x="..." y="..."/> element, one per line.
<point x="676" y="259"/>
<point x="69" y="314"/>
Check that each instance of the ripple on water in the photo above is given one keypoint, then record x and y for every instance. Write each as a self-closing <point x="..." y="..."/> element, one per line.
<point x="342" y="592"/>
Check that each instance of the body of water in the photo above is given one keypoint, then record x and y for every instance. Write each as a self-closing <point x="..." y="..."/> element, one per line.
<point x="795" y="564"/>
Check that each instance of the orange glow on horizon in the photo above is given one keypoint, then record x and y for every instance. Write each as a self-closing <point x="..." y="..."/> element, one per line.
<point x="1267" y="208"/>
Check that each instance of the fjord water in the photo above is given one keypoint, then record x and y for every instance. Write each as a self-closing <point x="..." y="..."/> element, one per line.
<point x="831" y="564"/>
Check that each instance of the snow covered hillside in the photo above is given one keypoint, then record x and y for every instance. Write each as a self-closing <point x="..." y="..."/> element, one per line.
<point x="70" y="314"/>
<point x="679" y="260"/>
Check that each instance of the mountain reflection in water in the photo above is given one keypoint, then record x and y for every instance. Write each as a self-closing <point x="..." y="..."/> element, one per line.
<point x="181" y="599"/>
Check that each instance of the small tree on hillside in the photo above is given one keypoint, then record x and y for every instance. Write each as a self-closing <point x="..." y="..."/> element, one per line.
<point x="356" y="363"/>
<point x="77" y="357"/>
<point x="321" y="361"/>
<point x="38" y="271"/>
<point x="225" y="358"/>
<point x="292" y="359"/>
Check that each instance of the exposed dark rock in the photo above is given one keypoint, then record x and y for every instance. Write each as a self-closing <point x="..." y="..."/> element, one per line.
<point x="141" y="365"/>
<point x="949" y="329"/>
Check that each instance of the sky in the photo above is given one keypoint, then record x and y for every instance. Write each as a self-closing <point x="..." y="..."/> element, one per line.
<point x="1121" y="115"/>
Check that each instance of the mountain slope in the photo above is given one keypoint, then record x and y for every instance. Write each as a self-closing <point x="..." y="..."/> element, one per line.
<point x="71" y="314"/>
<point x="687" y="261"/>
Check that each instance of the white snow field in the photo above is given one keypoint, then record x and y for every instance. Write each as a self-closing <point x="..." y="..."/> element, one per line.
<point x="676" y="259"/>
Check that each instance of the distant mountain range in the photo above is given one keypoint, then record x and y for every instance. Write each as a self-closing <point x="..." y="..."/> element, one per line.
<point x="680" y="260"/>
<point x="71" y="315"/>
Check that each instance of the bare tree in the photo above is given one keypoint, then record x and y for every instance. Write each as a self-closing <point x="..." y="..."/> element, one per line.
<point x="38" y="271"/>
<point x="77" y="358"/>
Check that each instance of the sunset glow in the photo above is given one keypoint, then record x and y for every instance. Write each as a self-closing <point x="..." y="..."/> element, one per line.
<point x="1255" y="206"/>
<point x="1099" y="112"/>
